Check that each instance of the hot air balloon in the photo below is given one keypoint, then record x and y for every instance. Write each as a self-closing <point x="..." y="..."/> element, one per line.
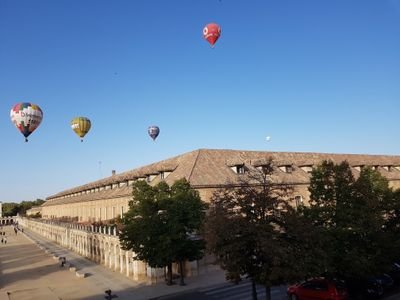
<point x="26" y="117"/>
<point x="211" y="33"/>
<point x="153" y="132"/>
<point x="81" y="126"/>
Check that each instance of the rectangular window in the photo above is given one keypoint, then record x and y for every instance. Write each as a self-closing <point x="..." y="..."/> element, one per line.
<point x="298" y="200"/>
<point x="240" y="169"/>
<point x="122" y="211"/>
<point x="113" y="212"/>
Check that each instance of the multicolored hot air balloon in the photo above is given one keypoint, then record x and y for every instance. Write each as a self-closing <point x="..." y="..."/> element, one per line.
<point x="153" y="131"/>
<point x="212" y="32"/>
<point x="81" y="126"/>
<point x="26" y="117"/>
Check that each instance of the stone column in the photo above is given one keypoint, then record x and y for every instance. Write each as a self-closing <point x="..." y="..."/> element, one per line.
<point x="128" y="262"/>
<point x="111" y="256"/>
<point x="116" y="257"/>
<point x="121" y="260"/>
<point x="106" y="254"/>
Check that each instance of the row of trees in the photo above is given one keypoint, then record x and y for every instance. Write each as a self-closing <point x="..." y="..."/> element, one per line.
<point x="350" y="228"/>
<point x="11" y="209"/>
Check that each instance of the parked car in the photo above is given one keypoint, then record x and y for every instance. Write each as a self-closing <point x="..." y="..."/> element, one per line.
<point x="318" y="289"/>
<point x="395" y="273"/>
<point x="365" y="289"/>
<point x="385" y="280"/>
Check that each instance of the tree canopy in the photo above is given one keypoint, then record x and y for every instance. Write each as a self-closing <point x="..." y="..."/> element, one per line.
<point x="357" y="220"/>
<point x="12" y="209"/>
<point x="162" y="224"/>
<point x="255" y="232"/>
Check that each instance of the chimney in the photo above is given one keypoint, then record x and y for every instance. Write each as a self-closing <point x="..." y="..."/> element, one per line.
<point x="113" y="172"/>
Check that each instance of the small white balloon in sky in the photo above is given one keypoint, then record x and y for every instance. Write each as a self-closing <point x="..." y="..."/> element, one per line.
<point x="268" y="138"/>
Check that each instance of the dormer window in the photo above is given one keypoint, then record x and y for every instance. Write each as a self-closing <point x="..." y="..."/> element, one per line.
<point x="122" y="183"/>
<point x="150" y="177"/>
<point x="308" y="169"/>
<point x="286" y="168"/>
<point x="299" y="200"/>
<point x="388" y="168"/>
<point x="164" y="174"/>
<point x="238" y="169"/>
<point x="359" y="168"/>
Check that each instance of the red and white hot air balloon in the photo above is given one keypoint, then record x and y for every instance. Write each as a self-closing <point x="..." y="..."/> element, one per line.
<point x="212" y="32"/>
<point x="26" y="117"/>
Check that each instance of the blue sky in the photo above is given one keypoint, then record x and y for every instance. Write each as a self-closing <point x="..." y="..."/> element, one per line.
<point x="315" y="76"/>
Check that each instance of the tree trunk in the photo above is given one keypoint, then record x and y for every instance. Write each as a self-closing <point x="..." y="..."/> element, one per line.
<point x="169" y="274"/>
<point x="268" y="292"/>
<point x="181" y="281"/>
<point x="254" y="289"/>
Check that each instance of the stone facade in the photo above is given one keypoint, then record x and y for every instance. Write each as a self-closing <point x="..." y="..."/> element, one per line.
<point x="206" y="170"/>
<point x="34" y="211"/>
<point x="101" y="245"/>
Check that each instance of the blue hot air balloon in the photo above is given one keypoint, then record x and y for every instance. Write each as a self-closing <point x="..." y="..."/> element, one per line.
<point x="153" y="131"/>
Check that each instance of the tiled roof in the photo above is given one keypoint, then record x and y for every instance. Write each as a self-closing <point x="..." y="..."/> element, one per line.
<point x="211" y="168"/>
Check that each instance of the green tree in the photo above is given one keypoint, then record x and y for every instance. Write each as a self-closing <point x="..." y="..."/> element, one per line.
<point x="12" y="209"/>
<point x="255" y="232"/>
<point x="352" y="217"/>
<point x="162" y="224"/>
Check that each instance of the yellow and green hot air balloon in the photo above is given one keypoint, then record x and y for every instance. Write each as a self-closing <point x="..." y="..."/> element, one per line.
<point x="81" y="126"/>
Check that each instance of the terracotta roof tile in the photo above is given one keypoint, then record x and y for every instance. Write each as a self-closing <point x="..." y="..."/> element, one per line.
<point x="211" y="167"/>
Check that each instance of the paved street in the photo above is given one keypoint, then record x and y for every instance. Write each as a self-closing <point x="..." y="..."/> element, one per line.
<point x="229" y="291"/>
<point x="31" y="272"/>
<point x="28" y="273"/>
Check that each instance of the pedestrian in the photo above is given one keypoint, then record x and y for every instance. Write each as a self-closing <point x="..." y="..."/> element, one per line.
<point x="63" y="261"/>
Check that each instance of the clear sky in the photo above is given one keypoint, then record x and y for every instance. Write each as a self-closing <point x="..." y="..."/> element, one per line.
<point x="314" y="75"/>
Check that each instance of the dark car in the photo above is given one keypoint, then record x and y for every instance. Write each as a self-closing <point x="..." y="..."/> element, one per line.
<point x="385" y="280"/>
<point x="365" y="289"/>
<point x="318" y="289"/>
<point x="395" y="273"/>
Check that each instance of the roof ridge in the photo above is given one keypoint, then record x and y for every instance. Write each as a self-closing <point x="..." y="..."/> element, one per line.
<point x="194" y="164"/>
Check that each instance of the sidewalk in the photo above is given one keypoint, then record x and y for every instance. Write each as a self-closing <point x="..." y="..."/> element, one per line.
<point x="28" y="272"/>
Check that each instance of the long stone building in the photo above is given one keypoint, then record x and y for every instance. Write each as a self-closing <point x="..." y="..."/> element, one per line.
<point x="205" y="169"/>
